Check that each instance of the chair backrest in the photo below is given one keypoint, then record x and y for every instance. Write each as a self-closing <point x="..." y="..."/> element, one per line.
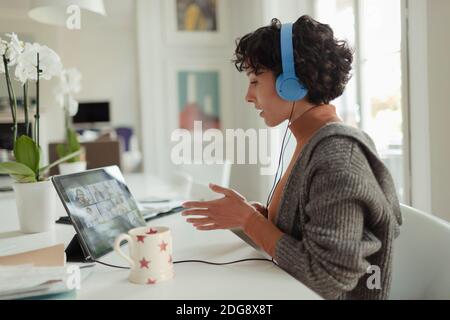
<point x="421" y="264"/>
<point x="125" y="134"/>
<point x="181" y="185"/>
<point x="204" y="173"/>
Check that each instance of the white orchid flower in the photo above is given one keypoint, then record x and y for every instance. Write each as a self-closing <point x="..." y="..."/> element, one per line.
<point x="67" y="101"/>
<point x="72" y="106"/>
<point x="49" y="63"/>
<point x="14" y="48"/>
<point x="73" y="80"/>
<point x="11" y="50"/>
<point x="3" y="47"/>
<point x="70" y="83"/>
<point x="59" y="97"/>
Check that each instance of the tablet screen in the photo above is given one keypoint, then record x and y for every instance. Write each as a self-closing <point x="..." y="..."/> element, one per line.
<point x="101" y="207"/>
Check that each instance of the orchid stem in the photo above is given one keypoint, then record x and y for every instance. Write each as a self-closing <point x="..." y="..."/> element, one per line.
<point x="12" y="99"/>
<point x="25" y="108"/>
<point x="66" y="114"/>
<point x="37" y="115"/>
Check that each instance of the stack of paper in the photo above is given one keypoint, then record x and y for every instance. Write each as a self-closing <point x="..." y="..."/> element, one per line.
<point x="154" y="208"/>
<point x="39" y="273"/>
<point x="25" y="281"/>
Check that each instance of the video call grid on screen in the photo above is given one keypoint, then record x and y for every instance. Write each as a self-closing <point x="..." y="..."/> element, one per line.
<point x="101" y="206"/>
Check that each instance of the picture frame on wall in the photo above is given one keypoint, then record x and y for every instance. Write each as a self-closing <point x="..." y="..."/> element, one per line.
<point x="198" y="98"/>
<point x="199" y="91"/>
<point x="196" y="22"/>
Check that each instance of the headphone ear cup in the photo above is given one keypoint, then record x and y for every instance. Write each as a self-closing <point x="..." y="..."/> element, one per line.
<point x="290" y="89"/>
<point x="279" y="84"/>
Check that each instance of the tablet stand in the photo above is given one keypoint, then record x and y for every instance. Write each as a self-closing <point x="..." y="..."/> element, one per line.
<point x="74" y="252"/>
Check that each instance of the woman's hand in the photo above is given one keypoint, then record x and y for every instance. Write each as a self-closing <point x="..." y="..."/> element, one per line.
<point x="231" y="211"/>
<point x="262" y="209"/>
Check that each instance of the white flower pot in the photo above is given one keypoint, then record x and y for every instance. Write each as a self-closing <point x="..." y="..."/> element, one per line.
<point x="72" y="167"/>
<point x="36" y="204"/>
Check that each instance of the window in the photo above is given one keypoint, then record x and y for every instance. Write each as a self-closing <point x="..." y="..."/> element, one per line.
<point x="373" y="98"/>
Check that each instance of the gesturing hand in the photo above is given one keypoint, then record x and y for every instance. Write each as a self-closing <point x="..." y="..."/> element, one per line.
<point x="231" y="211"/>
<point x="260" y="208"/>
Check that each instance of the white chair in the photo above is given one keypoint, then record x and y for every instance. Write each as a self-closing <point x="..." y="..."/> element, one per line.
<point x="202" y="175"/>
<point x="209" y="173"/>
<point x="421" y="264"/>
<point x="181" y="185"/>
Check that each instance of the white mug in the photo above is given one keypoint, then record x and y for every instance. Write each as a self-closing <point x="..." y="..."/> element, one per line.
<point x="150" y="254"/>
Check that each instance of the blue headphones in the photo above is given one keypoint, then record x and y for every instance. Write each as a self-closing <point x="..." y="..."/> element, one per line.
<point x="288" y="85"/>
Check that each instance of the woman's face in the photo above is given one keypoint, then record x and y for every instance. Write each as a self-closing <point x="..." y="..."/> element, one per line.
<point x="262" y="93"/>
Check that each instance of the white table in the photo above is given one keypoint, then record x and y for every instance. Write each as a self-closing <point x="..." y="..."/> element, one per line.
<point x="247" y="280"/>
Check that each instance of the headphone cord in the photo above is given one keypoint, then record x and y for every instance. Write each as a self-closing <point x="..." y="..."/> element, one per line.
<point x="195" y="261"/>
<point x="282" y="167"/>
<point x="280" y="162"/>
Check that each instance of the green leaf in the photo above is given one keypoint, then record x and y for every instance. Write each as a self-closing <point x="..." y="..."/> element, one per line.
<point x="23" y="179"/>
<point x="72" y="145"/>
<point x="27" y="152"/>
<point x="17" y="171"/>
<point x="72" y="140"/>
<point x="61" y="150"/>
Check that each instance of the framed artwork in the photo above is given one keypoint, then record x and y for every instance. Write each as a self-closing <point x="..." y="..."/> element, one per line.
<point x="196" y="22"/>
<point x="199" y="92"/>
<point x="198" y="98"/>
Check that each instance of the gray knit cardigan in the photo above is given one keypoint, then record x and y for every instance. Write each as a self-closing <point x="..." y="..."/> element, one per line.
<point x="340" y="215"/>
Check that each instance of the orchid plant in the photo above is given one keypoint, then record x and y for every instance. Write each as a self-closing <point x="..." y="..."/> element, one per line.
<point x="69" y="84"/>
<point x="32" y="62"/>
<point x="10" y="51"/>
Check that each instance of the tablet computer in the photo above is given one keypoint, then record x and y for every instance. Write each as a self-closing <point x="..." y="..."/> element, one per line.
<point x="100" y="206"/>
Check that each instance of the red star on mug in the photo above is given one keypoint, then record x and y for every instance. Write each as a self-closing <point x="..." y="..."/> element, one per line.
<point x="140" y="238"/>
<point x="151" y="281"/>
<point x="152" y="231"/>
<point x="163" y="246"/>
<point x="144" y="263"/>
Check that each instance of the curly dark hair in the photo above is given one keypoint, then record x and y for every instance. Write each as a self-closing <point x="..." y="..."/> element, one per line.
<point x="322" y="62"/>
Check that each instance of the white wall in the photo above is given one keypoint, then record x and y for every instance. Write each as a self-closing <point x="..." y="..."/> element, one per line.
<point x="429" y="71"/>
<point x="105" y="53"/>
<point x="418" y="111"/>
<point x="439" y="109"/>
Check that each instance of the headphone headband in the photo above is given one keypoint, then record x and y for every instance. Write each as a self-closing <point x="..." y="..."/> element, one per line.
<point x="287" y="50"/>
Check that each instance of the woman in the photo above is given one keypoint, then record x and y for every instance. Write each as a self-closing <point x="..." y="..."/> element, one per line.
<point x="334" y="214"/>
<point x="81" y="199"/>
